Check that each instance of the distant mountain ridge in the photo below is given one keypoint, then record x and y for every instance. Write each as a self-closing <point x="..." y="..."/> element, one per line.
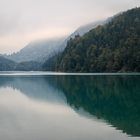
<point x="42" y="50"/>
<point x="37" y="51"/>
<point x="9" y="65"/>
<point x="32" y="56"/>
<point x="6" y="64"/>
<point x="110" y="45"/>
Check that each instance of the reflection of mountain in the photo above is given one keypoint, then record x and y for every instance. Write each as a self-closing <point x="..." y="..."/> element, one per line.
<point x="38" y="89"/>
<point x="115" y="99"/>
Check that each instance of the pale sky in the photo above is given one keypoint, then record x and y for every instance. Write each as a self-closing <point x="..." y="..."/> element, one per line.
<point x="22" y="21"/>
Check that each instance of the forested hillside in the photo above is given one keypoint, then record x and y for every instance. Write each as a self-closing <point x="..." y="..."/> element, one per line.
<point x="113" y="47"/>
<point x="9" y="65"/>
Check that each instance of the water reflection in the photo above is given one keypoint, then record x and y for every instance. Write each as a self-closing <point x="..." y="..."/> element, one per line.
<point x="113" y="98"/>
<point x="38" y="107"/>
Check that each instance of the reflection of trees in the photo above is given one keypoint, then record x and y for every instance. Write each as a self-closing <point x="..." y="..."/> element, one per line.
<point x="35" y="87"/>
<point x="113" y="98"/>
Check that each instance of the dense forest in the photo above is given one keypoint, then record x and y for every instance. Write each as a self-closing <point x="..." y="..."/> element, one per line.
<point x="113" y="47"/>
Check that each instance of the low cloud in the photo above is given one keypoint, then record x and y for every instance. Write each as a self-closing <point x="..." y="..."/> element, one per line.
<point x="24" y="21"/>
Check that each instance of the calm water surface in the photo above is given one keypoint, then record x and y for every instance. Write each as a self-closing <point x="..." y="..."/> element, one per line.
<point x="69" y="107"/>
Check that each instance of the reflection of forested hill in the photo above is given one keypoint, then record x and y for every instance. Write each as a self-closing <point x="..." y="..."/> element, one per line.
<point x="113" y="98"/>
<point x="34" y="87"/>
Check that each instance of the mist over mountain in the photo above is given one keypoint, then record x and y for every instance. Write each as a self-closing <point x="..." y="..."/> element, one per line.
<point x="42" y="50"/>
<point x="32" y="56"/>
<point x="37" y="51"/>
<point x="107" y="45"/>
<point x="86" y="28"/>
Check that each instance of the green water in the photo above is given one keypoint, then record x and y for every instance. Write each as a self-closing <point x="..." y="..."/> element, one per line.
<point x="70" y="107"/>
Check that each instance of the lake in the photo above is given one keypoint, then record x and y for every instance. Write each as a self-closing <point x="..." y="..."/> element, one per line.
<point x="55" y="106"/>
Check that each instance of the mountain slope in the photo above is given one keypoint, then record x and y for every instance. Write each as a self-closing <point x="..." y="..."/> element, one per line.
<point x="6" y="64"/>
<point x="86" y="28"/>
<point x="28" y="66"/>
<point x="49" y="64"/>
<point x="114" y="47"/>
<point x="37" y="51"/>
<point x="44" y="49"/>
<point x="9" y="65"/>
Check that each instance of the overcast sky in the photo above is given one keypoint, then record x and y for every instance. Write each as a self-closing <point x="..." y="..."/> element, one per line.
<point x="22" y="21"/>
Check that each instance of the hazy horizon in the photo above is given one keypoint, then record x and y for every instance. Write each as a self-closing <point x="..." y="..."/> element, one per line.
<point x="22" y="22"/>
